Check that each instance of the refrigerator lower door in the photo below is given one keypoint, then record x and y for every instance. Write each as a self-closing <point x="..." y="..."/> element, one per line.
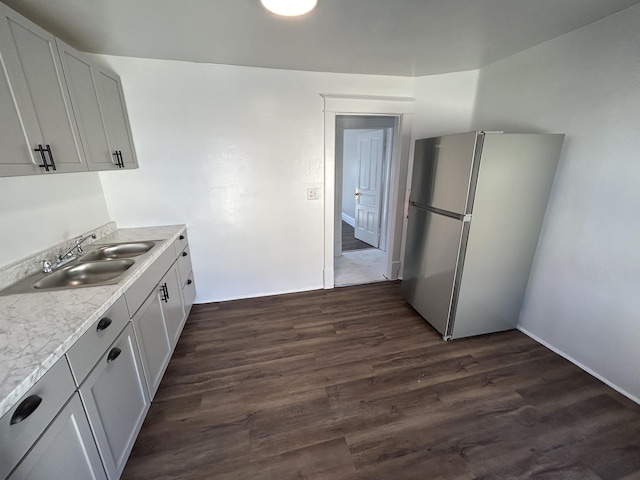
<point x="431" y="259"/>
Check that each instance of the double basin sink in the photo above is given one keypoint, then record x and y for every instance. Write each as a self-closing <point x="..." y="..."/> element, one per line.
<point x="100" y="265"/>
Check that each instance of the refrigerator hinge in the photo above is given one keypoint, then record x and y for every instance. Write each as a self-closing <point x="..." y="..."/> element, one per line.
<point x="447" y="337"/>
<point x="466" y="218"/>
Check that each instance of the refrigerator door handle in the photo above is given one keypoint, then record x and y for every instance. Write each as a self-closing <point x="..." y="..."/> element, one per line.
<point x="457" y="279"/>
<point x="438" y="211"/>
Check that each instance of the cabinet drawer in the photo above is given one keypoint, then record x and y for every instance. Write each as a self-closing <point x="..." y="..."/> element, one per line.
<point x="189" y="294"/>
<point x="180" y="243"/>
<point x="140" y="290"/>
<point x="85" y="352"/>
<point x="45" y="399"/>
<point x="184" y="265"/>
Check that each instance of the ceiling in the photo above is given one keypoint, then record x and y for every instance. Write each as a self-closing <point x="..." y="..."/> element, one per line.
<point x="387" y="37"/>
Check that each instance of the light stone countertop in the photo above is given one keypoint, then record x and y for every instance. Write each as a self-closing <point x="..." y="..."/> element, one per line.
<point x="37" y="329"/>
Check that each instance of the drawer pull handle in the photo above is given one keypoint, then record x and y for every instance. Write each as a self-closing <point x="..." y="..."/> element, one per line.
<point x="189" y="282"/>
<point x="52" y="164"/>
<point x="44" y="163"/>
<point x="164" y="291"/>
<point x="113" y="354"/>
<point x="181" y="237"/>
<point x="26" y="408"/>
<point x="184" y="254"/>
<point x="103" y="324"/>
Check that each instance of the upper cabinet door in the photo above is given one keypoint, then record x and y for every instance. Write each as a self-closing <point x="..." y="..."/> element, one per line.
<point x="32" y="63"/>
<point x="115" y="115"/>
<point x="79" y="74"/>
<point x="16" y="157"/>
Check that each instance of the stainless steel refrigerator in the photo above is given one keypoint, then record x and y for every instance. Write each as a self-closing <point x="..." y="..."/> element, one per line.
<point x="477" y="204"/>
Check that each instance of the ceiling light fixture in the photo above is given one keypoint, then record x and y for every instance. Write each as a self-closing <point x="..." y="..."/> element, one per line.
<point x="289" y="8"/>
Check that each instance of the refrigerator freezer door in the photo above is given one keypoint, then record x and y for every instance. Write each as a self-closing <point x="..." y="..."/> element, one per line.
<point x="431" y="258"/>
<point x="444" y="172"/>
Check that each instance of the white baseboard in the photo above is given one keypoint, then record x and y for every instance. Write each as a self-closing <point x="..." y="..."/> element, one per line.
<point x="328" y="278"/>
<point x="395" y="270"/>
<point x="350" y="220"/>
<point x="578" y="364"/>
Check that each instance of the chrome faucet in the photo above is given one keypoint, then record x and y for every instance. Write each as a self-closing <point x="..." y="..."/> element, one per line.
<point x="78" y="243"/>
<point x="69" y="256"/>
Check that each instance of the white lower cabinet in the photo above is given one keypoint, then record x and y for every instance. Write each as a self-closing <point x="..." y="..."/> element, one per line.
<point x="82" y="418"/>
<point x="185" y="273"/>
<point x="188" y="294"/>
<point x="159" y="321"/>
<point x="21" y="426"/>
<point x="153" y="340"/>
<point x="172" y="304"/>
<point x="115" y="398"/>
<point x="65" y="451"/>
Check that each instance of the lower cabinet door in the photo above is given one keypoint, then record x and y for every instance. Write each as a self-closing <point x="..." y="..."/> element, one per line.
<point x="172" y="304"/>
<point x="153" y="341"/>
<point x="65" y="451"/>
<point x="116" y="400"/>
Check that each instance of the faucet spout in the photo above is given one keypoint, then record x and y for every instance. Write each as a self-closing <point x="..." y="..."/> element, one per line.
<point x="78" y="242"/>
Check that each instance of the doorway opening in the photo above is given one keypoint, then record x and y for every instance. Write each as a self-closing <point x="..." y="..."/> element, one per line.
<point x="364" y="146"/>
<point x="400" y="109"/>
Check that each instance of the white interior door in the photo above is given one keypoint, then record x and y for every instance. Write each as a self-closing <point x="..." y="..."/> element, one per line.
<point x="369" y="187"/>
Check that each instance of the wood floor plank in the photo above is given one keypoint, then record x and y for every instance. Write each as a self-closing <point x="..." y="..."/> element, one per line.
<point x="351" y="384"/>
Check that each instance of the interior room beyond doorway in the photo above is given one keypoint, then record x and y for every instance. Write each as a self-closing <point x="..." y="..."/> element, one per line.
<point x="363" y="161"/>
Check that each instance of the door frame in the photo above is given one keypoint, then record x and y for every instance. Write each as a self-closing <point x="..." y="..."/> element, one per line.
<point x="402" y="109"/>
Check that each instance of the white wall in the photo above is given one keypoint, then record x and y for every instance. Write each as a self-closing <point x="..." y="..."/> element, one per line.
<point x="583" y="295"/>
<point x="230" y="151"/>
<point x="40" y="211"/>
<point x="444" y="103"/>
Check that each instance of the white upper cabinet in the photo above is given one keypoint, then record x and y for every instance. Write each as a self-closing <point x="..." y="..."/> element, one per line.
<point x="116" y="118"/>
<point x="59" y="111"/>
<point x="98" y="104"/>
<point x="16" y="157"/>
<point x="79" y="72"/>
<point x="39" y="95"/>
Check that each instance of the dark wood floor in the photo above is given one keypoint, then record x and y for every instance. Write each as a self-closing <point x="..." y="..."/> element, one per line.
<point x="349" y="241"/>
<point x="351" y="384"/>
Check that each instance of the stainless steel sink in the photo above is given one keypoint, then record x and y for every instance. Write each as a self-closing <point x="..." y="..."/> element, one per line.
<point x="117" y="251"/>
<point x="100" y="265"/>
<point x="85" y="274"/>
